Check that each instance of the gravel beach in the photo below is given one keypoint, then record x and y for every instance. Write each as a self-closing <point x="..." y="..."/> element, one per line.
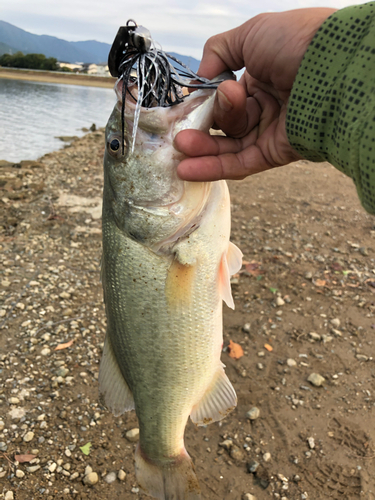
<point x="304" y="317"/>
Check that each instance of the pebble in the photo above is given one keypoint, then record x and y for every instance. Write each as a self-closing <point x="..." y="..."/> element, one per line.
<point x="133" y="435"/>
<point x="13" y="401"/>
<point x="253" y="414"/>
<point x="308" y="275"/>
<point x="291" y="362"/>
<point x="227" y="444"/>
<point x="316" y="379"/>
<point x="248" y="496"/>
<point x="91" y="479"/>
<point x="3" y="446"/>
<point x="29" y="436"/>
<point x="2" y="425"/>
<point x="252" y="466"/>
<point x="279" y="301"/>
<point x="9" y="495"/>
<point x="46" y="351"/>
<point x="33" y="468"/>
<point x="121" y="475"/>
<point x="335" y="322"/>
<point x="110" y="477"/>
<point x="267" y="457"/>
<point x="88" y="470"/>
<point x="52" y="467"/>
<point x="236" y="453"/>
<point x="314" y="336"/>
<point x="311" y="442"/>
<point x="361" y="357"/>
<point x="20" y="474"/>
<point x="64" y="295"/>
<point x="246" y="328"/>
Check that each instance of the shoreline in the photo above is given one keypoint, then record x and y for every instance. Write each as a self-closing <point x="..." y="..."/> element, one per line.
<point x="33" y="75"/>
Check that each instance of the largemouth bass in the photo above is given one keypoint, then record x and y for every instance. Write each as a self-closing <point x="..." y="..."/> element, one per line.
<point x="166" y="269"/>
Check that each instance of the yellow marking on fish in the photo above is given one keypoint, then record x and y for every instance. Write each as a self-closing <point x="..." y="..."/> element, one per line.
<point x="179" y="283"/>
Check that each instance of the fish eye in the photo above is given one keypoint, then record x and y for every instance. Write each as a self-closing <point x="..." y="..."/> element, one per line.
<point x="114" y="146"/>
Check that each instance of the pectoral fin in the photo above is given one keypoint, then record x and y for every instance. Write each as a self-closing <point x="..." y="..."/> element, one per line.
<point x="230" y="264"/>
<point x="114" y="392"/>
<point x="219" y="400"/>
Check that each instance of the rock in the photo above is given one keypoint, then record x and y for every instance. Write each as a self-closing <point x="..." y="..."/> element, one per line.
<point x="9" y="495"/>
<point x="20" y="474"/>
<point x="267" y="457"/>
<point x="13" y="401"/>
<point x="3" y="446"/>
<point x="248" y="496"/>
<point x="335" y="322"/>
<point x="311" y="442"/>
<point x="308" y="275"/>
<point x="314" y="336"/>
<point x="246" y="328"/>
<point x="133" y="435"/>
<point x="29" y="436"/>
<point x="91" y="479"/>
<point x="65" y="295"/>
<point x="52" y="467"/>
<point x="110" y="477"/>
<point x="252" y="466"/>
<point x="88" y="470"/>
<point x="46" y="351"/>
<point x="33" y="468"/>
<point x="227" y="444"/>
<point x="291" y="362"/>
<point x="17" y="413"/>
<point x="316" y="379"/>
<point x="236" y="453"/>
<point x="361" y="357"/>
<point x="279" y="302"/>
<point x="2" y="425"/>
<point x="121" y="475"/>
<point x="253" y="414"/>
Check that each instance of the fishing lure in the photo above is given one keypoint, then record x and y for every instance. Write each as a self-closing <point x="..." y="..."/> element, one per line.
<point x="157" y="75"/>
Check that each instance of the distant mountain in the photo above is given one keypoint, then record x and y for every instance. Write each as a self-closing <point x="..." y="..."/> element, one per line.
<point x="6" y="49"/>
<point x="13" y="39"/>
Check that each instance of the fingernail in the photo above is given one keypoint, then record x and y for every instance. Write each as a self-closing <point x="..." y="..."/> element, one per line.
<point x="223" y="101"/>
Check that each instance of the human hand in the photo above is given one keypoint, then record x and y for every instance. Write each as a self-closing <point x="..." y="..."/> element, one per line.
<point x="251" y="112"/>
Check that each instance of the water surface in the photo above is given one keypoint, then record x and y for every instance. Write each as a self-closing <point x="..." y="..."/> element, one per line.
<point x="32" y="114"/>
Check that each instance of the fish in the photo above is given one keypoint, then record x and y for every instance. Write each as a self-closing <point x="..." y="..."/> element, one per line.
<point x="166" y="267"/>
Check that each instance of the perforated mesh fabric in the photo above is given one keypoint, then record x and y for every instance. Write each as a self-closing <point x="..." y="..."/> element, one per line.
<point x="331" y="111"/>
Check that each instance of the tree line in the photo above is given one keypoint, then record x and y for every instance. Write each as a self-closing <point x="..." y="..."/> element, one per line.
<point x="29" y="61"/>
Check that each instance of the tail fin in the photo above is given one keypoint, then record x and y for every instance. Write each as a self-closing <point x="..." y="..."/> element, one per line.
<point x="175" y="481"/>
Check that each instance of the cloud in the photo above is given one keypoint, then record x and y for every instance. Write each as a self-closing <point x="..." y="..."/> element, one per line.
<point x="177" y="27"/>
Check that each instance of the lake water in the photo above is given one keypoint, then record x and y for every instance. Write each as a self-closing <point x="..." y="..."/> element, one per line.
<point x="32" y="114"/>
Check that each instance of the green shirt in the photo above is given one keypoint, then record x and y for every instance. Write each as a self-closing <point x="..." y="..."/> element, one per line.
<point x="331" y="110"/>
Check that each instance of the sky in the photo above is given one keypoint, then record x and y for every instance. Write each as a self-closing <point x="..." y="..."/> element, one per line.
<point x="178" y="26"/>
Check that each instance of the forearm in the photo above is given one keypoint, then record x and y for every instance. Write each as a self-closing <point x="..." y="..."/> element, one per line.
<point x="331" y="110"/>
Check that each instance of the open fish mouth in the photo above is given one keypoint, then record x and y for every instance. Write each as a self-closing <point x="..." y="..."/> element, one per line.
<point x="150" y="77"/>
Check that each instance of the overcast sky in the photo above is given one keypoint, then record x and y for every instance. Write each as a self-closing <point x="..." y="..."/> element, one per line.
<point x="178" y="26"/>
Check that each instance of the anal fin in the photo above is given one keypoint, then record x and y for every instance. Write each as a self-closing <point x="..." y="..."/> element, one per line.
<point x="219" y="400"/>
<point x="114" y="392"/>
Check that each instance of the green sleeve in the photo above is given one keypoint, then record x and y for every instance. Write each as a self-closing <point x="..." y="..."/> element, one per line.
<point x="331" y="110"/>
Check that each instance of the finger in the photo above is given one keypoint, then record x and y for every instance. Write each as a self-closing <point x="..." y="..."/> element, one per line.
<point x="196" y="143"/>
<point x="235" y="113"/>
<point x="226" y="166"/>
<point x="222" y="52"/>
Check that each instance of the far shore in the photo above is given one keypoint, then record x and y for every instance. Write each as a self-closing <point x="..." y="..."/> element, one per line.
<point x="57" y="77"/>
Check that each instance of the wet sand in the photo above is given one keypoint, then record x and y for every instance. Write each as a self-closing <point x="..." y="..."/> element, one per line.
<point x="57" y="77"/>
